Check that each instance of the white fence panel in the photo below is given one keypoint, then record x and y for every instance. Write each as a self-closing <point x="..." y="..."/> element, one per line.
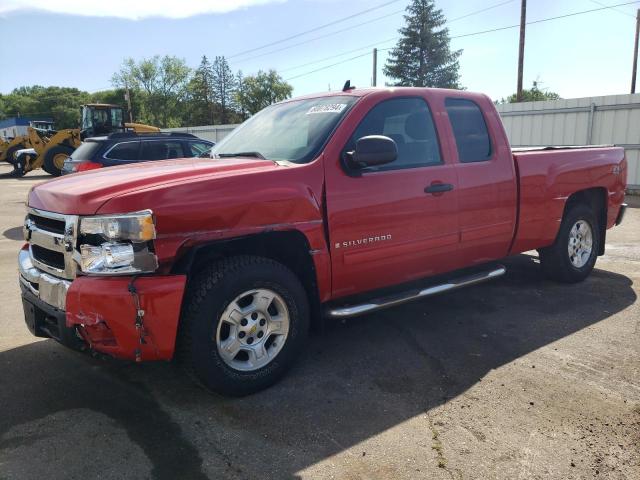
<point x="613" y="119"/>
<point x="213" y="133"/>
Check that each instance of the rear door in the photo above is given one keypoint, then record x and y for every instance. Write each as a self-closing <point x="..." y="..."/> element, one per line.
<point x="161" y="150"/>
<point x="487" y="191"/>
<point x="385" y="226"/>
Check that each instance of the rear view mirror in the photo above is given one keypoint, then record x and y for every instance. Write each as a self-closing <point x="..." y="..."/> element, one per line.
<point x="373" y="150"/>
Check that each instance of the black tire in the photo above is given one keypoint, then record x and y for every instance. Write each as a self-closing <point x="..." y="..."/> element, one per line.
<point x="208" y="296"/>
<point x="11" y="151"/>
<point x="49" y="165"/>
<point x="555" y="260"/>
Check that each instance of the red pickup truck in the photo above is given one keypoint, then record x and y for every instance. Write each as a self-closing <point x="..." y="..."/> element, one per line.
<point x="336" y="204"/>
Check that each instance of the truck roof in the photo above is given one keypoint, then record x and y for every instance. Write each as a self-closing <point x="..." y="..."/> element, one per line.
<point x="390" y="91"/>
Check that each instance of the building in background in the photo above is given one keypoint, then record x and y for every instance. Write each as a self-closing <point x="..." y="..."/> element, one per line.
<point x="607" y="120"/>
<point x="13" y="126"/>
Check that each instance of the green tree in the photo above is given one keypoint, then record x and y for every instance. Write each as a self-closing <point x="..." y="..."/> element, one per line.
<point x="240" y="92"/>
<point x="162" y="84"/>
<point x="261" y="90"/>
<point x="534" y="94"/>
<point x="422" y="56"/>
<point x="201" y="94"/>
<point x="62" y="104"/>
<point x="224" y="87"/>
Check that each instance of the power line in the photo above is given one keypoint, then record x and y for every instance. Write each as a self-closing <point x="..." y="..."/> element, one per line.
<point x="319" y="37"/>
<point x="328" y="66"/>
<point x="359" y="25"/>
<point x="331" y="57"/>
<point x="479" y="11"/>
<point x="613" y="9"/>
<point x="315" y="29"/>
<point x="482" y="32"/>
<point x="542" y="20"/>
<point x="371" y="45"/>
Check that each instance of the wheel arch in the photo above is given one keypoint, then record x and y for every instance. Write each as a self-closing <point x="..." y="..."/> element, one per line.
<point x="596" y="199"/>
<point x="288" y="247"/>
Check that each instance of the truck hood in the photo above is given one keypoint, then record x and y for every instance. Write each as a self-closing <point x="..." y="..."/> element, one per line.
<point x="84" y="193"/>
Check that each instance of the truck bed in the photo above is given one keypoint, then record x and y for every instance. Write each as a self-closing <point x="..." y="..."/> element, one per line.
<point x="536" y="148"/>
<point x="547" y="176"/>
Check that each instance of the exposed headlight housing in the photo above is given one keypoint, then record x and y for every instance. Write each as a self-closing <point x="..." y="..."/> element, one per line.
<point x="136" y="227"/>
<point x="128" y="246"/>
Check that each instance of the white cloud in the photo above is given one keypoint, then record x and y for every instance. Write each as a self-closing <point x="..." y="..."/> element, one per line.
<point x="129" y="9"/>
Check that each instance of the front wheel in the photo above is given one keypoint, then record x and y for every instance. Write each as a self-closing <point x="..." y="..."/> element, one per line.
<point x="573" y="255"/>
<point x="245" y="321"/>
<point x="54" y="159"/>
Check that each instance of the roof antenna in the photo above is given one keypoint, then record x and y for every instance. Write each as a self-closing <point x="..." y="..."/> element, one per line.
<point x="347" y="86"/>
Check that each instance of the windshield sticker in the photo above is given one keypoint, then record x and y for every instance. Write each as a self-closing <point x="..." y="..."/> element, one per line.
<point x="328" y="108"/>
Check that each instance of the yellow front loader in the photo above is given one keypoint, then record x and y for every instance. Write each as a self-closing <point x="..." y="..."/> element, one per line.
<point x="7" y="149"/>
<point x="52" y="148"/>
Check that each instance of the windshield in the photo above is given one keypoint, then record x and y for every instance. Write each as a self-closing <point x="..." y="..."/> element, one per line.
<point x="292" y="131"/>
<point x="116" y="118"/>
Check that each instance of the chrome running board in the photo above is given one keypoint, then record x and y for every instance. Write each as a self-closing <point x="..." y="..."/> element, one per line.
<point x="403" y="297"/>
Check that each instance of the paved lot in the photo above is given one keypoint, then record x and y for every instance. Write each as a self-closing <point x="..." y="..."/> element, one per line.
<point x="521" y="378"/>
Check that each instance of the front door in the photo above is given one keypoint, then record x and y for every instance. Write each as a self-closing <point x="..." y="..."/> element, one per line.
<point x="396" y="222"/>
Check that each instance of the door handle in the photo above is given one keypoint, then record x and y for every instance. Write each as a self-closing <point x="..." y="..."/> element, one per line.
<point x="435" y="188"/>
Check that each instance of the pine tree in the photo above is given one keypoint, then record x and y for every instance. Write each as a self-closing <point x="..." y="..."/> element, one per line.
<point x="422" y="57"/>
<point x="201" y="89"/>
<point x="239" y="95"/>
<point x="224" y="83"/>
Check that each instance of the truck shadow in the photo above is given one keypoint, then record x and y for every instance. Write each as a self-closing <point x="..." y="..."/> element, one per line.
<point x="356" y="380"/>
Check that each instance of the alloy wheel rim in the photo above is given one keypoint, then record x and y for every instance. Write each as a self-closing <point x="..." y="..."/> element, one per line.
<point x="580" y="243"/>
<point x="253" y="329"/>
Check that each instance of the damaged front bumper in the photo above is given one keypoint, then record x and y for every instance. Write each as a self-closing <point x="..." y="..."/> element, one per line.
<point x="132" y="318"/>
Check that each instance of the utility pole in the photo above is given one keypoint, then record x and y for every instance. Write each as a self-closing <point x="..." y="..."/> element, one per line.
<point x="374" y="78"/>
<point x="635" y="54"/>
<point x="523" y="23"/>
<point x="127" y="97"/>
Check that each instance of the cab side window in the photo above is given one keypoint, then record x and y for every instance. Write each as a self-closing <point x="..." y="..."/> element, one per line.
<point x="124" y="151"/>
<point x="161" y="150"/>
<point x="408" y="122"/>
<point x="469" y="129"/>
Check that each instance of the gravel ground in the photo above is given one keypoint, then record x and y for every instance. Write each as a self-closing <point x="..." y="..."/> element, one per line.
<point x="516" y="379"/>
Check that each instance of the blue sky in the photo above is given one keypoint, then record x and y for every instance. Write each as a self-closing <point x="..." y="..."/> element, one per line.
<point x="583" y="55"/>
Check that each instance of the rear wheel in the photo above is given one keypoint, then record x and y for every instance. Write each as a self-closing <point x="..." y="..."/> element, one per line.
<point x="573" y="255"/>
<point x="245" y="321"/>
<point x="54" y="159"/>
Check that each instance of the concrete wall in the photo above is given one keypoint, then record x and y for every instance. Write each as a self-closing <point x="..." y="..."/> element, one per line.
<point x="614" y="119"/>
<point x="213" y="133"/>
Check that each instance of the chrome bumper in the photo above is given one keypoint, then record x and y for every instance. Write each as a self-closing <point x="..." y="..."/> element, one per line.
<point x="49" y="289"/>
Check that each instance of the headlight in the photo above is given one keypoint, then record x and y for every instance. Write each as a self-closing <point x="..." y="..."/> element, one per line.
<point x="137" y="227"/>
<point x="116" y="258"/>
<point x="127" y="246"/>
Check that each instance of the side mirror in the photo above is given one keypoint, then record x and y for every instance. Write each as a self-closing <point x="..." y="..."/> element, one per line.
<point x="373" y="150"/>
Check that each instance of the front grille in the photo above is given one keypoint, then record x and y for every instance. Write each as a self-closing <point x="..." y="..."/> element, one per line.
<point x="49" y="257"/>
<point x="48" y="224"/>
<point x="50" y="235"/>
